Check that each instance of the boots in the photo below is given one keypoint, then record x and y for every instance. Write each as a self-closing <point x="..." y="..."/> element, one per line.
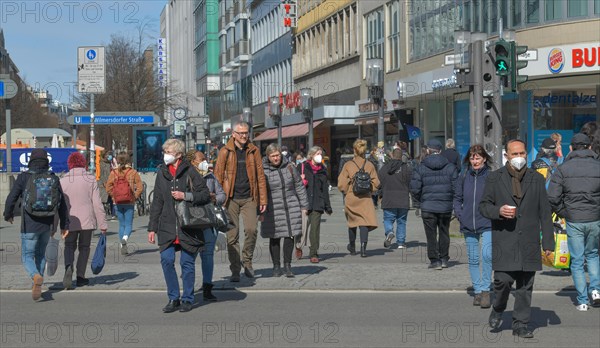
<point x="277" y="270"/>
<point x="351" y="248"/>
<point x="363" y="249"/>
<point x="207" y="293"/>
<point x="287" y="267"/>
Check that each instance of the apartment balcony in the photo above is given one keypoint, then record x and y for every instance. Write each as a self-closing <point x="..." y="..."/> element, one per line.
<point x="242" y="51"/>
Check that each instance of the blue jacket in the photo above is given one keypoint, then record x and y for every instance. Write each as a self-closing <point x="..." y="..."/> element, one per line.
<point x="469" y="190"/>
<point x="432" y="184"/>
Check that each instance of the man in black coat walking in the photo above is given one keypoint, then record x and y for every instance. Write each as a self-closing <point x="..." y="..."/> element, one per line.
<point x="515" y="200"/>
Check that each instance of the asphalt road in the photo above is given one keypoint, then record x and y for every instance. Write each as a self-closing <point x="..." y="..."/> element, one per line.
<point x="284" y="319"/>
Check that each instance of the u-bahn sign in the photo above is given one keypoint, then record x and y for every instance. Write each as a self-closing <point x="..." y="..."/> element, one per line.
<point x="113" y="118"/>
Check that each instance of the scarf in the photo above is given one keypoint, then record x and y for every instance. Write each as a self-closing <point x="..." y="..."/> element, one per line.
<point x="517" y="176"/>
<point x="315" y="168"/>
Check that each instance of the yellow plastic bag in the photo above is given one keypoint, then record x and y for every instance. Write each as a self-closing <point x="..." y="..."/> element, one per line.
<point x="560" y="258"/>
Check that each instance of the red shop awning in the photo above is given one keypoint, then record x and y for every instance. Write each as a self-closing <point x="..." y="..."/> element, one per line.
<point x="296" y="130"/>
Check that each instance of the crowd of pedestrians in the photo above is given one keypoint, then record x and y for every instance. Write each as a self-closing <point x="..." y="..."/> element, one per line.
<point x="505" y="215"/>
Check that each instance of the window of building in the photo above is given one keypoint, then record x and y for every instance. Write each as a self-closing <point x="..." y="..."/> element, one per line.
<point x="597" y="6"/>
<point x="516" y="10"/>
<point x="374" y="46"/>
<point x="533" y="11"/>
<point x="553" y="9"/>
<point x="394" y="37"/>
<point x="241" y="29"/>
<point x="577" y="8"/>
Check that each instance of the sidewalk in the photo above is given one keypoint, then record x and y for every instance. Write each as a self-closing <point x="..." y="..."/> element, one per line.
<point x="383" y="269"/>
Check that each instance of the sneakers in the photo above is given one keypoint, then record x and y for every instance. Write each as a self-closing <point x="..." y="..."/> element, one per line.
<point x="582" y="307"/>
<point x="36" y="290"/>
<point x="68" y="278"/>
<point x="123" y="246"/>
<point x="595" y="298"/>
<point x="436" y="265"/>
<point x="444" y="263"/>
<point x="495" y="319"/>
<point x="388" y="239"/>
<point x="401" y="246"/>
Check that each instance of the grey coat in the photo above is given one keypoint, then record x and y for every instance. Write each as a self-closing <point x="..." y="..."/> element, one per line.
<point x="286" y="200"/>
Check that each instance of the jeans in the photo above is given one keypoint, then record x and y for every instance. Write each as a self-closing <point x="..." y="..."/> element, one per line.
<point x="583" y="239"/>
<point x="398" y="215"/>
<point x="124" y="213"/>
<point x="188" y="273"/>
<point x="481" y="279"/>
<point x="207" y="255"/>
<point x="33" y="255"/>
<point x="437" y="246"/>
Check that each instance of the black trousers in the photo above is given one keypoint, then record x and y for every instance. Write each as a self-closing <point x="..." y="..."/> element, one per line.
<point x="437" y="245"/>
<point x="503" y="282"/>
<point x="275" y="249"/>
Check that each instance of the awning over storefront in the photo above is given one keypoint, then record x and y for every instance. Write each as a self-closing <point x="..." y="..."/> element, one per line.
<point x="296" y="130"/>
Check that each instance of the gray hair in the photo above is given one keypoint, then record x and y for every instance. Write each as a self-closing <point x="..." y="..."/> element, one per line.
<point x="241" y="124"/>
<point x="175" y="144"/>
<point x="312" y="151"/>
<point x="450" y="143"/>
<point x="272" y="148"/>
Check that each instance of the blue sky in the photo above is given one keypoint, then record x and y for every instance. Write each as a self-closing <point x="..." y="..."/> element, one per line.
<point x="42" y="36"/>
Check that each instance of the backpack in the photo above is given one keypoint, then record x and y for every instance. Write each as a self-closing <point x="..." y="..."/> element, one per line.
<point x="361" y="181"/>
<point x="42" y="194"/>
<point x="122" y="193"/>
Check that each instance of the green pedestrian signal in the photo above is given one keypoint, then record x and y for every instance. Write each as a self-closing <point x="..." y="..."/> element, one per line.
<point x="502" y="57"/>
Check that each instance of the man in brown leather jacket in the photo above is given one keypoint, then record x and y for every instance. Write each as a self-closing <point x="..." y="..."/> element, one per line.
<point x="239" y="170"/>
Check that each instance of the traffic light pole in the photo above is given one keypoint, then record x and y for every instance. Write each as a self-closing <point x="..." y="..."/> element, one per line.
<point x="476" y="96"/>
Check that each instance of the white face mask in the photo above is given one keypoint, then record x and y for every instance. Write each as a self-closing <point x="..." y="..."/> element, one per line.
<point x="518" y="162"/>
<point x="284" y="153"/>
<point x="318" y="158"/>
<point x="168" y="158"/>
<point x="203" y="166"/>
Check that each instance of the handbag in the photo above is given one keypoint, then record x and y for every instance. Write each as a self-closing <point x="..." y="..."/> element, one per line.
<point x="200" y="217"/>
<point x="99" y="255"/>
<point x="52" y="256"/>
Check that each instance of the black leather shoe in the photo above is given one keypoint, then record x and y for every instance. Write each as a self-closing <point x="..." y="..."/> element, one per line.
<point x="287" y="268"/>
<point x="207" y="294"/>
<point x="444" y="263"/>
<point x="249" y="272"/>
<point x="185" y="307"/>
<point x="235" y="278"/>
<point x="351" y="248"/>
<point x="523" y="332"/>
<point x="495" y="319"/>
<point x="172" y="306"/>
<point x="277" y="270"/>
<point x="363" y="249"/>
<point x="82" y="281"/>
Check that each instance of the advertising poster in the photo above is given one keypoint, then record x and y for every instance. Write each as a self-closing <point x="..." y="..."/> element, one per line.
<point x="147" y="150"/>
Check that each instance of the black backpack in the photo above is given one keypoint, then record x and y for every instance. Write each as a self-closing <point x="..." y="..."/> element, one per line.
<point x="361" y="181"/>
<point x="42" y="195"/>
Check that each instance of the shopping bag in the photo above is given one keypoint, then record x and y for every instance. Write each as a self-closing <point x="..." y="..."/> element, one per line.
<point x="52" y="256"/>
<point x="560" y="258"/>
<point x="99" y="255"/>
<point x="221" y="242"/>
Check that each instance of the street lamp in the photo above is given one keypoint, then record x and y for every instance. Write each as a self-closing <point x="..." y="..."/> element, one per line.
<point x="275" y="113"/>
<point x="307" y="110"/>
<point x="247" y="117"/>
<point x="206" y="128"/>
<point x="375" y="85"/>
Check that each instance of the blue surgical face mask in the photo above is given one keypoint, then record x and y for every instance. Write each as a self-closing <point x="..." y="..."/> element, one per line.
<point x="109" y="157"/>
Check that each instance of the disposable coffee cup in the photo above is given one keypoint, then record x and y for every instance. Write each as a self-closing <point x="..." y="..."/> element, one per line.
<point x="513" y="210"/>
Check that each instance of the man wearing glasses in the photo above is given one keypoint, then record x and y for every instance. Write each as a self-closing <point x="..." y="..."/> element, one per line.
<point x="239" y="170"/>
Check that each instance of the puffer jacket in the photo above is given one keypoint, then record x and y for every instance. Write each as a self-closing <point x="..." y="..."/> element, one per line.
<point x="394" y="178"/>
<point x="82" y="195"/>
<point x="574" y="190"/>
<point x="433" y="183"/>
<point x="467" y="196"/>
<point x="163" y="218"/>
<point x="286" y="200"/>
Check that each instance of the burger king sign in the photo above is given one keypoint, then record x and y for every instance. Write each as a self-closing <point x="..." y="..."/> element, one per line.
<point x="556" y="60"/>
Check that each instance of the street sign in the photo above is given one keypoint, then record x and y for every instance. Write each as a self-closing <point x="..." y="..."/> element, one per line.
<point x="91" y="70"/>
<point x="8" y="88"/>
<point x="179" y="128"/>
<point x="82" y="119"/>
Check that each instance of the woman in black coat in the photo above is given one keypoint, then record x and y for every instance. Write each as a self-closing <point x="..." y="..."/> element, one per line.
<point x="176" y="180"/>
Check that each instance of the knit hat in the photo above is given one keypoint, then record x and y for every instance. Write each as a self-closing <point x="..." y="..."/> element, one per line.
<point x="580" y="139"/>
<point x="76" y="160"/>
<point x="38" y="154"/>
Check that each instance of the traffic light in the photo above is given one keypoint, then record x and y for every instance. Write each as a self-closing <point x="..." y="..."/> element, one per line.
<point x="502" y="51"/>
<point x="517" y="65"/>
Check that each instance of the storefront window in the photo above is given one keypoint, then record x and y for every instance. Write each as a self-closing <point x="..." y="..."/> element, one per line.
<point x="563" y="110"/>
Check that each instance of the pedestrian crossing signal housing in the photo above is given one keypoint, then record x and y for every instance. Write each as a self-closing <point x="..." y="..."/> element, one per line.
<point x="517" y="79"/>
<point x="502" y="50"/>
